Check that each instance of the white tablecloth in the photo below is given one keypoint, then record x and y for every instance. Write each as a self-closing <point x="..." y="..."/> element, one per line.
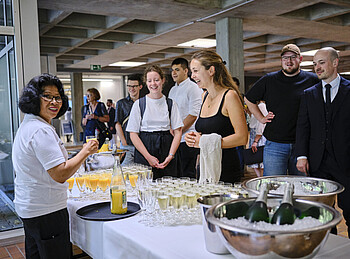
<point x="127" y="238"/>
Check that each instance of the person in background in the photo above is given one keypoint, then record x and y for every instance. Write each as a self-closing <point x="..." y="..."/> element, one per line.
<point x="323" y="136"/>
<point x="111" y="124"/>
<point x="95" y="113"/>
<point x="256" y="138"/>
<point x="240" y="148"/>
<point x="41" y="168"/>
<point x="221" y="111"/>
<point x="150" y="126"/>
<point x="84" y="110"/>
<point x="281" y="92"/>
<point x="187" y="95"/>
<point x="122" y="112"/>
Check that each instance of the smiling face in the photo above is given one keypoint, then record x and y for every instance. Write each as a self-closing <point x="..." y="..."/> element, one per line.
<point x="290" y="63"/>
<point x="178" y="73"/>
<point x="49" y="109"/>
<point x="325" y="67"/>
<point x="134" y="89"/>
<point x="200" y="75"/>
<point x="154" y="84"/>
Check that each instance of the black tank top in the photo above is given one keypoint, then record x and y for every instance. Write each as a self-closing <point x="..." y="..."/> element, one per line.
<point x="217" y="123"/>
<point x="220" y="124"/>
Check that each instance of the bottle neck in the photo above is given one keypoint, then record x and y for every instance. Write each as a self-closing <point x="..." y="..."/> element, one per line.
<point x="263" y="193"/>
<point x="288" y="194"/>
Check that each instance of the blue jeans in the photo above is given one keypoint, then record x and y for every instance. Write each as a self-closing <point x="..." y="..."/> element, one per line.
<point x="279" y="159"/>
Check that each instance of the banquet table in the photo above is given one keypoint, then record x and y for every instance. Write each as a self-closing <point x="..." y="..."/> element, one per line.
<point x="127" y="238"/>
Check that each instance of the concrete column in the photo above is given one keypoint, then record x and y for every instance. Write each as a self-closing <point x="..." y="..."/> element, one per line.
<point x="229" y="45"/>
<point x="77" y="102"/>
<point x="48" y="64"/>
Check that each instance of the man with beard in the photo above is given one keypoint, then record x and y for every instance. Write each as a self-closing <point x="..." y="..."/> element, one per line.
<point x="281" y="92"/>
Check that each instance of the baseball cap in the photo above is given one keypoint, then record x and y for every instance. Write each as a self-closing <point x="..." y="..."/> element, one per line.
<point x="290" y="47"/>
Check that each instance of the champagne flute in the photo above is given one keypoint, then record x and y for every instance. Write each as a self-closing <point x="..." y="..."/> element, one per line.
<point x="70" y="182"/>
<point x="93" y="182"/>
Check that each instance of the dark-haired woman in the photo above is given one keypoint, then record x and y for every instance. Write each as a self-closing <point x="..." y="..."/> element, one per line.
<point x="42" y="168"/>
<point x="94" y="113"/>
<point x="221" y="111"/>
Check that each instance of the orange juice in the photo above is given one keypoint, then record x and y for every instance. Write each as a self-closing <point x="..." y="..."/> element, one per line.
<point x="104" y="148"/>
<point x="70" y="181"/>
<point x="133" y="179"/>
<point x="87" y="182"/>
<point x="118" y="201"/>
<point x="93" y="182"/>
<point x="102" y="183"/>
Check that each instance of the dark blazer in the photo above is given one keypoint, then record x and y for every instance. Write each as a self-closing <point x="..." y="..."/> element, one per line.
<point x="311" y="126"/>
<point x="111" y="123"/>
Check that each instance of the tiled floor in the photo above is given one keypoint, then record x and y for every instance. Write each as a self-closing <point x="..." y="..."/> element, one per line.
<point x="17" y="251"/>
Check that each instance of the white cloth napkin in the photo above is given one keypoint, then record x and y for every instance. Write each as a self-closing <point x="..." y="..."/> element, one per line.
<point x="210" y="158"/>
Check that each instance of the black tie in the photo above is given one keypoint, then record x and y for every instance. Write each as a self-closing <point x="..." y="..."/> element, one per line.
<point x="328" y="95"/>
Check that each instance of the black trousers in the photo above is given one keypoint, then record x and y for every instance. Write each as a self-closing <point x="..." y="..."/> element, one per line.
<point x="158" y="145"/>
<point x="330" y="170"/>
<point x="47" y="236"/>
<point x="188" y="157"/>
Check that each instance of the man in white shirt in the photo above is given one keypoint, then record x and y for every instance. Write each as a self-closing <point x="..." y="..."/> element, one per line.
<point x="187" y="95"/>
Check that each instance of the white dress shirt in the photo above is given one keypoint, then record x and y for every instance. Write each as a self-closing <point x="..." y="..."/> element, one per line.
<point x="188" y="97"/>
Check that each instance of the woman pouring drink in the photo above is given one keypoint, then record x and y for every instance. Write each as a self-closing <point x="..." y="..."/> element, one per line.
<point x="221" y="111"/>
<point x="42" y="167"/>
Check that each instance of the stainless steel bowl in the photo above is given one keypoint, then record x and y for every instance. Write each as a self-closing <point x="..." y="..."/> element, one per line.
<point x="251" y="243"/>
<point x="330" y="189"/>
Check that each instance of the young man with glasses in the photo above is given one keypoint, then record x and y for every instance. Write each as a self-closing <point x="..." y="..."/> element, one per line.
<point x="281" y="92"/>
<point x="122" y="112"/>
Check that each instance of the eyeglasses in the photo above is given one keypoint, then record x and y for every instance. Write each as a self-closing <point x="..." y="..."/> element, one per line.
<point x="286" y="58"/>
<point x="50" y="98"/>
<point x="132" y="86"/>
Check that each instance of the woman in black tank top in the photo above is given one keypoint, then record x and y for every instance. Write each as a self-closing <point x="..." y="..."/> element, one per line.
<point x="221" y="111"/>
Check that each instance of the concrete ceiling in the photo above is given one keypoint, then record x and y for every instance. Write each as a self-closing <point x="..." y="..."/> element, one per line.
<point x="80" y="33"/>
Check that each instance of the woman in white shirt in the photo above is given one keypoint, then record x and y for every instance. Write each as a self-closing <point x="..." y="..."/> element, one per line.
<point x="151" y="132"/>
<point x="42" y="167"/>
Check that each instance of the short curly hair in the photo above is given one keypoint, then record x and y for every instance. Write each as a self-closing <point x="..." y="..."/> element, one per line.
<point x="29" y="102"/>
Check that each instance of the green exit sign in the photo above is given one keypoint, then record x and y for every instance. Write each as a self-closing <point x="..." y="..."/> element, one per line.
<point x="95" y="67"/>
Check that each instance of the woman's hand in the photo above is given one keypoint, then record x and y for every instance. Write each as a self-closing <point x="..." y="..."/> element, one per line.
<point x="255" y="147"/>
<point x="192" y="139"/>
<point x="166" y="162"/>
<point x="91" y="147"/>
<point x="153" y="161"/>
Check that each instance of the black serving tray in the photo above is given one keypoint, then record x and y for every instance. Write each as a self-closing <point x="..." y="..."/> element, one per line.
<point x="102" y="211"/>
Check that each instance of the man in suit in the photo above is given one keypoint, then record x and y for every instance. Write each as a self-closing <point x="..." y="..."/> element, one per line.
<point x="111" y="113"/>
<point x="323" y="128"/>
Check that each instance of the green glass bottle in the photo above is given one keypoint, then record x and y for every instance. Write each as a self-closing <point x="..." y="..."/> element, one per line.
<point x="285" y="213"/>
<point x="311" y="212"/>
<point x="258" y="210"/>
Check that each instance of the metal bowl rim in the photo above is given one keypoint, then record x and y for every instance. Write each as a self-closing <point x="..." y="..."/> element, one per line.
<point x="337" y="217"/>
<point x="340" y="187"/>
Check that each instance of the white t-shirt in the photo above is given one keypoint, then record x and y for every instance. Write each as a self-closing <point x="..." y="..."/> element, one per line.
<point x="155" y="117"/>
<point x="188" y="97"/>
<point x="36" y="149"/>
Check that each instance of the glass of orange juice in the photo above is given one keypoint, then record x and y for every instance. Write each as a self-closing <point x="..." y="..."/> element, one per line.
<point x="93" y="181"/>
<point x="80" y="180"/>
<point x="103" y="182"/>
<point x="88" y="138"/>
<point x="70" y="182"/>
